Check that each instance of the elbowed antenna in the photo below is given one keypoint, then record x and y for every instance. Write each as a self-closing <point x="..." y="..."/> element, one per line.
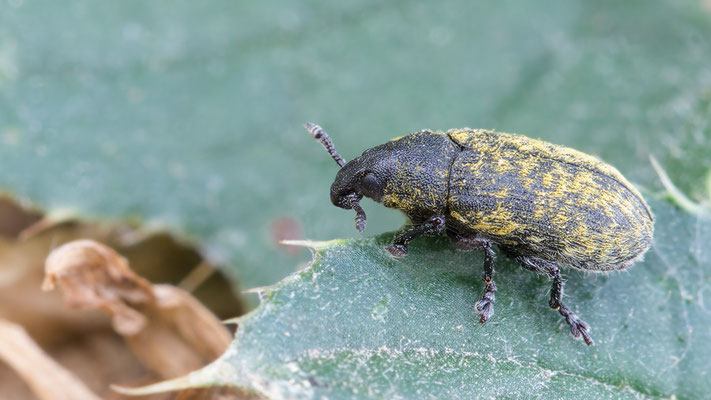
<point x="319" y="134"/>
<point x="360" y="214"/>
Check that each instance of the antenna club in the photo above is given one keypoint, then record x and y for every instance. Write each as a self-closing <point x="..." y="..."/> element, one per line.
<point x="314" y="130"/>
<point x="319" y="134"/>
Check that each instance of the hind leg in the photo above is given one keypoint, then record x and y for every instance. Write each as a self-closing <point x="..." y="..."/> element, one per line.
<point x="578" y="327"/>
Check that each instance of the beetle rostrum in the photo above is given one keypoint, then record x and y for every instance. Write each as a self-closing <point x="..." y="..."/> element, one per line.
<point x="540" y="204"/>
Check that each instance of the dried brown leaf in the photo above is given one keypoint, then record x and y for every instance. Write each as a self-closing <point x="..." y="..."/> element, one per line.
<point x="166" y="328"/>
<point x="84" y="342"/>
<point x="47" y="379"/>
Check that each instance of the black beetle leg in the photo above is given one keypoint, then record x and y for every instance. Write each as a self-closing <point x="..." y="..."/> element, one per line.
<point x="578" y="327"/>
<point x="485" y="306"/>
<point x="432" y="226"/>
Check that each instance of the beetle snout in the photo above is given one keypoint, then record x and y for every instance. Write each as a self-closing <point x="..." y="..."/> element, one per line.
<point x="338" y="200"/>
<point x="342" y="190"/>
<point x="349" y="200"/>
<point x="344" y="199"/>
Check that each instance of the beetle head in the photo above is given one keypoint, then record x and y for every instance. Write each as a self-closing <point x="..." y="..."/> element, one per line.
<point x="357" y="178"/>
<point x="362" y="176"/>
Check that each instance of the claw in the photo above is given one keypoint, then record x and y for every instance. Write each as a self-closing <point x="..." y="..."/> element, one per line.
<point x="578" y="327"/>
<point x="486" y="308"/>
<point x="397" y="250"/>
<point x="588" y="340"/>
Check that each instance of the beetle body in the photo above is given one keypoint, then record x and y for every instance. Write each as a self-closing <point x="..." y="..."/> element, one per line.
<point x="543" y="205"/>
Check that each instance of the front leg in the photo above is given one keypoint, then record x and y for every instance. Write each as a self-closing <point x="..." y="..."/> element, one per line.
<point x="432" y="226"/>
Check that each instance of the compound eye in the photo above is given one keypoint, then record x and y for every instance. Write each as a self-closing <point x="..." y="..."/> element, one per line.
<point x="371" y="186"/>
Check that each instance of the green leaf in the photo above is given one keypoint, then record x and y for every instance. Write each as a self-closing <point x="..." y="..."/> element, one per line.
<point x="189" y="115"/>
<point x="358" y="323"/>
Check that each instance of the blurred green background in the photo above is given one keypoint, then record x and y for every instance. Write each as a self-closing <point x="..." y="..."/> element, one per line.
<point x="188" y="115"/>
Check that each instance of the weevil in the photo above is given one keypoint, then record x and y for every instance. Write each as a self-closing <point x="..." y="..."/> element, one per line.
<point x="540" y="204"/>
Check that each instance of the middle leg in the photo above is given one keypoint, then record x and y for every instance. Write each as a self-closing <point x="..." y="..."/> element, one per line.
<point x="485" y="306"/>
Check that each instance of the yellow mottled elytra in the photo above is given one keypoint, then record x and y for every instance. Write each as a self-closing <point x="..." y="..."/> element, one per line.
<point x="552" y="201"/>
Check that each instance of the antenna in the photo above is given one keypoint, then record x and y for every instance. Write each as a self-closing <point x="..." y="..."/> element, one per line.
<point x="319" y="134"/>
<point x="360" y="214"/>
